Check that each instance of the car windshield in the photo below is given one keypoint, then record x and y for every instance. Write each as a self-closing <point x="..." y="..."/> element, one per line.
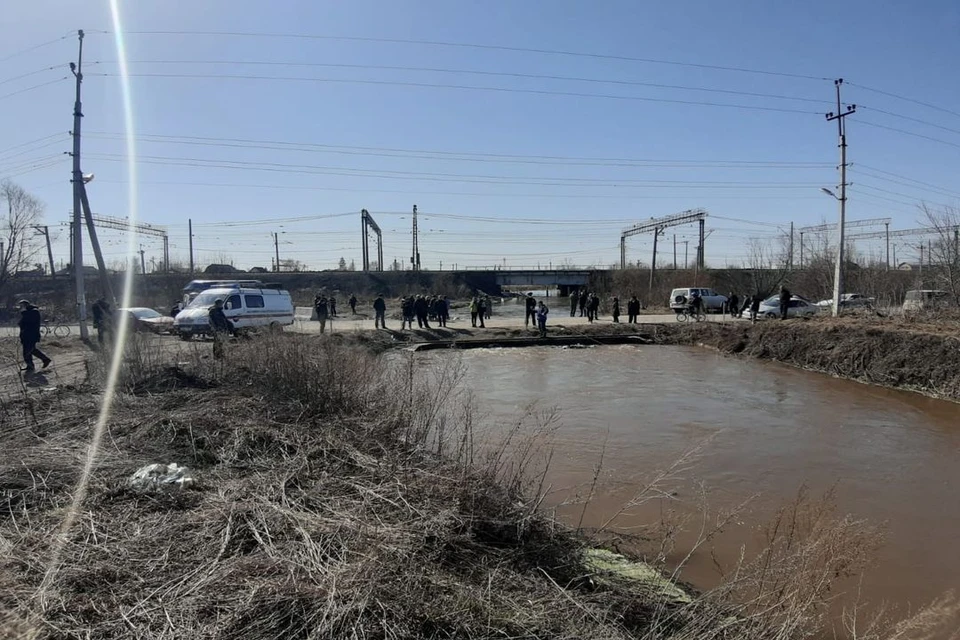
<point x="144" y="314"/>
<point x="772" y="301"/>
<point x="205" y="300"/>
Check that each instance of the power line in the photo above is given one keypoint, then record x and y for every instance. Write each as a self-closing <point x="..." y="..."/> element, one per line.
<point x="937" y="190"/>
<point x="502" y="74"/>
<point x="430" y="85"/>
<point x="467" y="156"/>
<point x="580" y="54"/>
<point x="910" y="118"/>
<point x="32" y="142"/>
<point x="906" y="99"/>
<point x="902" y="177"/>
<point x="36" y="86"/>
<point x="33" y="48"/>
<point x="27" y="75"/>
<point x="908" y="133"/>
<point x="448" y="177"/>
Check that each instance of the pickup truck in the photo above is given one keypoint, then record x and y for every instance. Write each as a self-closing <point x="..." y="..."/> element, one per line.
<point x="712" y="301"/>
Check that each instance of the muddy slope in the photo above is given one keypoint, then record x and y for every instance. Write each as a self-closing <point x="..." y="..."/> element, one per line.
<point x="895" y="357"/>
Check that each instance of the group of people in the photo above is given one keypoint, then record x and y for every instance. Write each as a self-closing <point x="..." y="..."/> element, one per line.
<point x="480" y="309"/>
<point x="751" y="304"/>
<point x="589" y="306"/>
<point x="424" y="308"/>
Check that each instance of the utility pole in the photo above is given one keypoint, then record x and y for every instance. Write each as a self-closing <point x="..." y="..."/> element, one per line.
<point x="956" y="243"/>
<point x="623" y="252"/>
<point x="840" y="117"/>
<point x="674" y="252"/>
<point x="921" y="259"/>
<point x="77" y="181"/>
<point x="686" y="255"/>
<point x="190" y="231"/>
<point x="92" y="230"/>
<point x="801" y="251"/>
<point x="887" y="231"/>
<point x="700" y="251"/>
<point x="44" y="231"/>
<point x="653" y="263"/>
<point x="415" y="255"/>
<point x="791" y="246"/>
<point x="276" y="249"/>
<point x="143" y="262"/>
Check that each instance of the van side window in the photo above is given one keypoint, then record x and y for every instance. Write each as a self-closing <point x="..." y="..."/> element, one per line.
<point x="253" y="301"/>
<point x="233" y="302"/>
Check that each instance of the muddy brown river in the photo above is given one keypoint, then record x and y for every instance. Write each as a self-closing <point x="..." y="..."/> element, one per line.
<point x="893" y="456"/>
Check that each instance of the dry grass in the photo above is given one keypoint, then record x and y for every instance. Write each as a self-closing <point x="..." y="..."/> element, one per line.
<point x="342" y="495"/>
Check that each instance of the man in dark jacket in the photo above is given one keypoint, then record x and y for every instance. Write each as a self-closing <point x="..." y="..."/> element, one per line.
<point x="574" y="299"/>
<point x="633" y="310"/>
<point x="333" y="307"/>
<point x="733" y="304"/>
<point x="443" y="311"/>
<point x="353" y="304"/>
<point x="616" y="309"/>
<point x="102" y="319"/>
<point x="323" y="312"/>
<point x="593" y="307"/>
<point x="784" y="302"/>
<point x="379" y="312"/>
<point x="531" y="314"/>
<point x="420" y="309"/>
<point x="584" y="296"/>
<point x="482" y="303"/>
<point x="220" y="326"/>
<point x="406" y="313"/>
<point x="30" y="322"/>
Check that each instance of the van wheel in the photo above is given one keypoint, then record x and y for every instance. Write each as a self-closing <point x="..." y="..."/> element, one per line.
<point x="185" y="337"/>
<point x="275" y="327"/>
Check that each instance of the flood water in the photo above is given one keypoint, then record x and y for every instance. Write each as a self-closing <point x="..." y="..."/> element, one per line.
<point x="893" y="456"/>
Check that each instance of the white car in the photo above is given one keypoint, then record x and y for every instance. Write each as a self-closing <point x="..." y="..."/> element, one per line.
<point x="849" y="301"/>
<point x="712" y="301"/>
<point x="798" y="308"/>
<point x="246" y="308"/>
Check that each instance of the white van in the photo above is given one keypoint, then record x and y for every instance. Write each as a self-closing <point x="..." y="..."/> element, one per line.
<point x="921" y="299"/>
<point x="246" y="308"/>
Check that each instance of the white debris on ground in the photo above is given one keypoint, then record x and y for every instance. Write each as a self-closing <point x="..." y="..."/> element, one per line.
<point x="154" y="477"/>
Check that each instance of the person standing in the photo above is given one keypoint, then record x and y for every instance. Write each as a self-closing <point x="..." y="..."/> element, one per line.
<point x="421" y="309"/>
<point x="482" y="309"/>
<point x="323" y="312"/>
<point x="353" y="304"/>
<point x="784" y="302"/>
<point x="220" y="326"/>
<point x="474" y="309"/>
<point x="633" y="310"/>
<point x="583" y="302"/>
<point x="103" y="320"/>
<point x="755" y="307"/>
<point x="616" y="309"/>
<point x="487" y="307"/>
<point x="30" y="323"/>
<point x="542" y="312"/>
<point x="733" y="304"/>
<point x="379" y="311"/>
<point x="531" y="311"/>
<point x="574" y="298"/>
<point x="333" y="307"/>
<point x="443" y="311"/>
<point x="593" y="307"/>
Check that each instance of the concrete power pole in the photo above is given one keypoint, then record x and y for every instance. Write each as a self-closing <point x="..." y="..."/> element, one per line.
<point x="77" y="181"/>
<point x="143" y="262"/>
<point x="276" y="249"/>
<point x="791" y="247"/>
<point x="190" y="231"/>
<point x="415" y="255"/>
<point x="840" y="116"/>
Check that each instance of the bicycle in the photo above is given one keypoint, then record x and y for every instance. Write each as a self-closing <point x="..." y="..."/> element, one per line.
<point x="687" y="313"/>
<point x="56" y="327"/>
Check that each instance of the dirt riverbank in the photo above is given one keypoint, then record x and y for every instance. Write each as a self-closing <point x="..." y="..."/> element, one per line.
<point x="920" y="357"/>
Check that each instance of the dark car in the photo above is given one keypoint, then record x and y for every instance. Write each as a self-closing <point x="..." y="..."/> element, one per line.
<point x="144" y="319"/>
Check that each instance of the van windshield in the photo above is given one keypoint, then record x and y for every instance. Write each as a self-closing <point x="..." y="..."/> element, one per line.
<point x="205" y="300"/>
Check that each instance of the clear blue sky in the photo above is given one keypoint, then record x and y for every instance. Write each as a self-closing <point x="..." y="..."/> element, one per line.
<point x="386" y="132"/>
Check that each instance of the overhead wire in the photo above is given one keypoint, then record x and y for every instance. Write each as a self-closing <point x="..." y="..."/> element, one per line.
<point x="31" y="88"/>
<point x="430" y="85"/>
<point x="503" y="74"/>
<point x="908" y="133"/>
<point x="904" y="98"/>
<point x="436" y="43"/>
<point x="33" y="48"/>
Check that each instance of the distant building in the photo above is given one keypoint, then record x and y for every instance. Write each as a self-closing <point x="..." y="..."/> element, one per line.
<point x="258" y="270"/>
<point x="221" y="268"/>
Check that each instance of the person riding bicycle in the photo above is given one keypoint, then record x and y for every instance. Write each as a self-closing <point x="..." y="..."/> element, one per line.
<point x="696" y="303"/>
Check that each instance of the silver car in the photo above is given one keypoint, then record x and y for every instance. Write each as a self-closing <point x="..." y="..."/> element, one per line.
<point x="798" y="308"/>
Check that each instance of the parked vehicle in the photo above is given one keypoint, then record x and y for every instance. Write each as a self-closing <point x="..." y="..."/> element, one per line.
<point x="712" y="301"/>
<point x="921" y="299"/>
<point x="247" y="308"/>
<point x="144" y="319"/>
<point x="195" y="287"/>
<point x="798" y="308"/>
<point x="849" y="301"/>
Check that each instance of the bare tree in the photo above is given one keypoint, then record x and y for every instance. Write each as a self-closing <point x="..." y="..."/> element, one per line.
<point x="23" y="213"/>
<point x="945" y="247"/>
<point x="768" y="264"/>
